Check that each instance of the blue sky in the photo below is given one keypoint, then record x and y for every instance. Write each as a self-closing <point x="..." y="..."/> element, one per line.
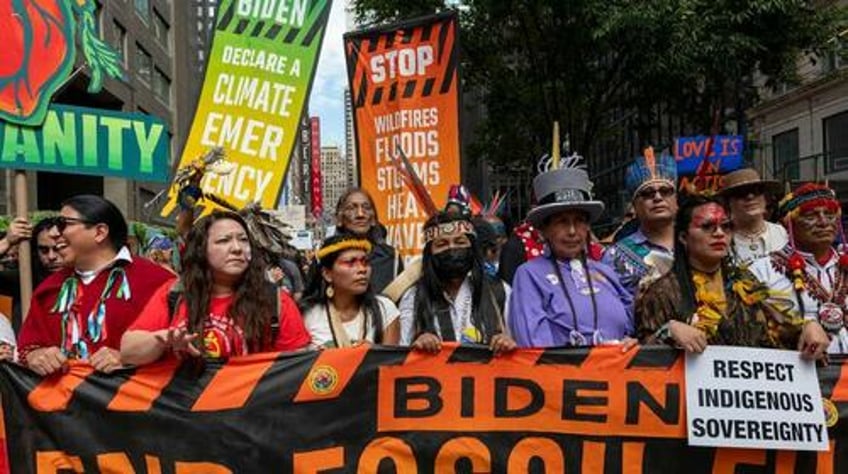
<point x="327" y="99"/>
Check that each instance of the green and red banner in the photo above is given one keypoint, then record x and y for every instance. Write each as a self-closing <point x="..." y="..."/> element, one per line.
<point x="404" y="82"/>
<point x="80" y="140"/>
<point x="39" y="41"/>
<point x="371" y="409"/>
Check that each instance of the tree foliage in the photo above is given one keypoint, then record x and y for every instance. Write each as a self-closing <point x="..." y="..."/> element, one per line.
<point x="587" y="63"/>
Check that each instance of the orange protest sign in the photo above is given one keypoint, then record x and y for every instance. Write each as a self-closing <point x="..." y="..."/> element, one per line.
<point x="405" y="91"/>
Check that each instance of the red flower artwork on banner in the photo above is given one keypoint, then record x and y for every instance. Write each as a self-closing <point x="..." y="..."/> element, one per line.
<point x="37" y="38"/>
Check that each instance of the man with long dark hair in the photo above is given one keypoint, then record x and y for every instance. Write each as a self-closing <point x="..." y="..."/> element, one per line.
<point x="82" y="312"/>
<point x="454" y="300"/>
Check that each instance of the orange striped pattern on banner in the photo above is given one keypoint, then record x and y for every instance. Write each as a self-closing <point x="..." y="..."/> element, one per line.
<point x="141" y="390"/>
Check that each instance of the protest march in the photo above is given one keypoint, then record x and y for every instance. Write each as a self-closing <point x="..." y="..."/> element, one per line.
<point x="419" y="317"/>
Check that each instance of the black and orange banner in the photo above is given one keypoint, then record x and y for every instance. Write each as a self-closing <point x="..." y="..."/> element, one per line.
<point x="370" y="409"/>
<point x="404" y="85"/>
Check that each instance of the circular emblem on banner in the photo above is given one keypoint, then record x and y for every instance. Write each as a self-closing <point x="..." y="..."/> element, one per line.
<point x="323" y="379"/>
<point x="831" y="414"/>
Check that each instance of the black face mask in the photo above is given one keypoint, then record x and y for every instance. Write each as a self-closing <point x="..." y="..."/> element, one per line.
<point x="454" y="263"/>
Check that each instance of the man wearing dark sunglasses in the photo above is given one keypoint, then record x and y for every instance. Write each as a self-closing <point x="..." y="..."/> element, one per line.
<point x="646" y="254"/>
<point x="754" y="237"/>
<point x="81" y="311"/>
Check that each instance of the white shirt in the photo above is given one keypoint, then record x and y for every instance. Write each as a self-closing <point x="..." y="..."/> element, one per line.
<point x="7" y="335"/>
<point x="316" y="322"/>
<point x="749" y="248"/>
<point x="87" y="276"/>
<point x="460" y="312"/>
<point x="782" y="292"/>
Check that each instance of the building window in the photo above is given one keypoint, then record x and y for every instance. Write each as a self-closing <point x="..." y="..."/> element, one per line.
<point x="161" y="30"/>
<point x="142" y="7"/>
<point x="836" y="142"/>
<point x="143" y="64"/>
<point x="785" y="155"/>
<point x="119" y="41"/>
<point x="162" y="86"/>
<point x="836" y="57"/>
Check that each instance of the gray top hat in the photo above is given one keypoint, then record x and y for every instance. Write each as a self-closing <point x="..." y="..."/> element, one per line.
<point x="563" y="189"/>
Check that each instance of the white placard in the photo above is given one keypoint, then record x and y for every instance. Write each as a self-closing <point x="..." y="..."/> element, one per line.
<point x="302" y="240"/>
<point x="294" y="215"/>
<point x="754" y="398"/>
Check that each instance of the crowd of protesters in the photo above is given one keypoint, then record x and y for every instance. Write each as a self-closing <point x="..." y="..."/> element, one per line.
<point x="689" y="271"/>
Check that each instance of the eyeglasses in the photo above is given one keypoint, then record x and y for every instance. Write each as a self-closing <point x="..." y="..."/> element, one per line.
<point x="352" y="209"/>
<point x="353" y="262"/>
<point x="812" y="218"/>
<point x="63" y="222"/>
<point x="665" y="192"/>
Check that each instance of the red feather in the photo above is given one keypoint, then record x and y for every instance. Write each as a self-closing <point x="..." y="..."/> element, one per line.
<point x="416" y="186"/>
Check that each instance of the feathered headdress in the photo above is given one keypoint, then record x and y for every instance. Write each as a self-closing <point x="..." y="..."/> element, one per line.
<point x="496" y="205"/>
<point x="649" y="169"/>
<point x="187" y="178"/>
<point x="267" y="229"/>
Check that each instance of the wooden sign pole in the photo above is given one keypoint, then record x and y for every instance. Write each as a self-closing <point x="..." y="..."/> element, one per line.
<point x="24" y="255"/>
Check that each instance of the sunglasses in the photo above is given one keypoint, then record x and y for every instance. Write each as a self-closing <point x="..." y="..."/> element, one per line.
<point x="711" y="227"/>
<point x="743" y="192"/>
<point x="353" y="262"/>
<point x="665" y="192"/>
<point x="63" y="222"/>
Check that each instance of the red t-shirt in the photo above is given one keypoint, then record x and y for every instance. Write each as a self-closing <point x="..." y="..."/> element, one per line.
<point x="222" y="337"/>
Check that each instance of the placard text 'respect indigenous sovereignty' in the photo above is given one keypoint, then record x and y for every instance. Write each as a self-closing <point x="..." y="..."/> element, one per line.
<point x="754" y="398"/>
<point x="261" y="67"/>
<point x="403" y="79"/>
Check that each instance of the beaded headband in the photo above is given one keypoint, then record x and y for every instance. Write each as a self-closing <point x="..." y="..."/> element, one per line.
<point x="448" y="228"/>
<point x="347" y="244"/>
<point x="806" y="197"/>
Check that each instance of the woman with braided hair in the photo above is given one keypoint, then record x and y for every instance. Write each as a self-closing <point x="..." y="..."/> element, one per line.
<point x="564" y="297"/>
<point x="340" y="308"/>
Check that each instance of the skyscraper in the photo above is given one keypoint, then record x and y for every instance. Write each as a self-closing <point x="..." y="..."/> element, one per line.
<point x="334" y="173"/>
<point x="350" y="141"/>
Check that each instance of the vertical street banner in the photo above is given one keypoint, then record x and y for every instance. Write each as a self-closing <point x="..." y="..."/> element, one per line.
<point x="259" y="73"/>
<point x="315" y="158"/>
<point x="404" y="82"/>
